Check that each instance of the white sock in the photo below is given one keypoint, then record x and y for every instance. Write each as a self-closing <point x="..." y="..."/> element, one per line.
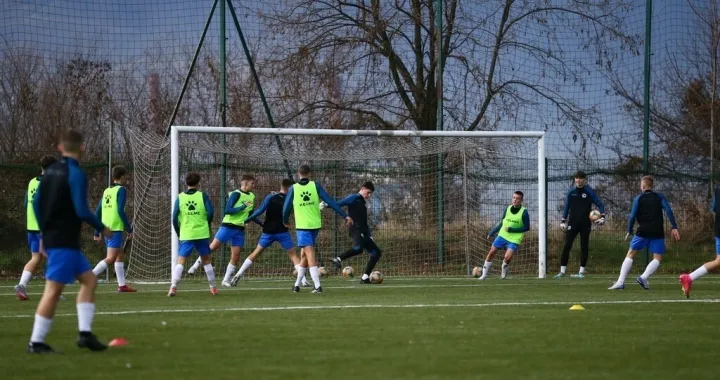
<point x="315" y="275"/>
<point x="210" y="272"/>
<point x="651" y="268"/>
<point x="41" y="327"/>
<point x="582" y="270"/>
<point x="120" y="272"/>
<point x="176" y="274"/>
<point x="562" y="269"/>
<point x="698" y="273"/>
<point x="486" y="268"/>
<point x="301" y="274"/>
<point x="229" y="272"/>
<point x="86" y="311"/>
<point x="25" y="278"/>
<point x="196" y="265"/>
<point x="304" y="278"/>
<point x="247" y="264"/>
<point x="504" y="265"/>
<point x="100" y="267"/>
<point x="625" y="270"/>
<point x="365" y="276"/>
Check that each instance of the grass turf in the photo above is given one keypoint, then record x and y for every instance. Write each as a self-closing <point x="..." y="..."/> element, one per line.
<point x="401" y="329"/>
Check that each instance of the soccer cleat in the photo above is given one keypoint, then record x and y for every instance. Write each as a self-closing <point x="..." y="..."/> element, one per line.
<point x="172" y="291"/>
<point x="482" y="277"/>
<point x="365" y="280"/>
<point x="192" y="270"/>
<point x="337" y="263"/>
<point x="643" y="282"/>
<point x="213" y="291"/>
<point x="579" y="275"/>
<point x="559" y="275"/>
<point x="504" y="273"/>
<point x="306" y="284"/>
<point x="40" y="348"/>
<point x="686" y="282"/>
<point x="317" y="290"/>
<point x="296" y="289"/>
<point x="89" y="340"/>
<point x="126" y="289"/>
<point x="20" y="292"/>
<point x="617" y="286"/>
<point x="226" y="284"/>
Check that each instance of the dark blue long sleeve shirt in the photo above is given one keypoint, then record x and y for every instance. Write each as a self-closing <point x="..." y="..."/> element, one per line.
<point x="593" y="198"/>
<point x="121" y="199"/>
<point x="524" y="228"/>
<point x="229" y="209"/>
<point x="176" y="210"/>
<point x="260" y="210"/>
<point x="665" y="206"/>
<point x="322" y="194"/>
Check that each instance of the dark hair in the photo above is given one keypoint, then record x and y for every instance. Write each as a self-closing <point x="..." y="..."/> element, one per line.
<point x="286" y="183"/>
<point x="520" y="193"/>
<point x="580" y="174"/>
<point x="192" y="179"/>
<point x="247" y="177"/>
<point x="304" y="170"/>
<point x="118" y="172"/>
<point x="46" y="161"/>
<point x="72" y="140"/>
<point x="369" y="185"/>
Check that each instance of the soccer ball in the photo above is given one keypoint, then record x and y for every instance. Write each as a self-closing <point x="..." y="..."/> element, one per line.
<point x="476" y="272"/>
<point x="376" y="277"/>
<point x="348" y="272"/>
<point x="595" y="215"/>
<point x="323" y="272"/>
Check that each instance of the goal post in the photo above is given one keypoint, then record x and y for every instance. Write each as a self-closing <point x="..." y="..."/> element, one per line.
<point x="398" y="148"/>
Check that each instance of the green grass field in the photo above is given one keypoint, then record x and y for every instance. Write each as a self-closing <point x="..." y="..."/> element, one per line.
<point x="401" y="329"/>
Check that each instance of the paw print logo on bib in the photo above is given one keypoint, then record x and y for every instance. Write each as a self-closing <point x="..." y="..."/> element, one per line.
<point x="305" y="196"/>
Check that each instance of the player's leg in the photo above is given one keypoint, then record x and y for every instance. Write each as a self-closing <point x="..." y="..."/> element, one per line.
<point x="203" y="249"/>
<point x="237" y="242"/>
<point x="116" y="242"/>
<point x="44" y="316"/>
<point x="584" y="251"/>
<point x="113" y="245"/>
<point x="498" y="243"/>
<point x="509" y="252"/>
<point x="357" y="238"/>
<point x="184" y="251"/>
<point x="306" y="240"/>
<point x="31" y="266"/>
<point x="637" y="244"/>
<point x="375" y="254"/>
<point x="86" y="309"/>
<point x="687" y="279"/>
<point x="301" y="270"/>
<point x="248" y="262"/>
<point x="565" y="256"/>
<point x="657" y="247"/>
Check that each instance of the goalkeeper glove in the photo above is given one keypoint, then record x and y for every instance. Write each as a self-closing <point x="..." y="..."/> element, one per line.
<point x="601" y="221"/>
<point x="563" y="225"/>
<point x="323" y="205"/>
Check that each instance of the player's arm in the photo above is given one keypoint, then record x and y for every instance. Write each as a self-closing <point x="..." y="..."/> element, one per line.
<point x="668" y="211"/>
<point x="596" y="200"/>
<point x="259" y="211"/>
<point x="36" y="206"/>
<point x="121" y="199"/>
<point x="633" y="215"/>
<point x="25" y="201"/>
<point x="98" y="214"/>
<point x="229" y="209"/>
<point x="209" y="208"/>
<point x="497" y="227"/>
<point x="347" y="201"/>
<point x="713" y="204"/>
<point x="78" y="192"/>
<point x="288" y="206"/>
<point x="526" y="223"/>
<point x="330" y="202"/>
<point x="175" y="219"/>
<point x="566" y="208"/>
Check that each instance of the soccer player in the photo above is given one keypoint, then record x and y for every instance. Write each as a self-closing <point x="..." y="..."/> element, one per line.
<point x="273" y="230"/>
<point x="510" y="232"/>
<point x="60" y="207"/>
<point x="687" y="279"/>
<point x="111" y="211"/>
<point x="647" y="208"/>
<point x="192" y="216"/>
<point x="578" y="205"/>
<point x="359" y="231"/>
<point x="33" y="230"/>
<point x="303" y="200"/>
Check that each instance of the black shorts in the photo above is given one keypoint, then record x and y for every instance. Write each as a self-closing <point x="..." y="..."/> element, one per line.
<point x="363" y="239"/>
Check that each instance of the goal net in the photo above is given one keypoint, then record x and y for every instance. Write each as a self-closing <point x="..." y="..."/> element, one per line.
<point x="437" y="194"/>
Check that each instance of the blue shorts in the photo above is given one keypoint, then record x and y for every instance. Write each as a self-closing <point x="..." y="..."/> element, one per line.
<point x="656" y="246"/>
<point x="115" y="241"/>
<point x="284" y="239"/>
<point x="202" y="246"/>
<point x="306" y="238"/>
<point x="717" y="245"/>
<point x="34" y="241"/>
<point x="64" y="265"/>
<point x="235" y="236"/>
<point x="501" y="243"/>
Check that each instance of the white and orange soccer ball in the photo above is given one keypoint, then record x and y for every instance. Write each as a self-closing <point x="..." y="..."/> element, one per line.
<point x="323" y="272"/>
<point x="348" y="272"/>
<point x="476" y="272"/>
<point x="376" y="277"/>
<point x="595" y="215"/>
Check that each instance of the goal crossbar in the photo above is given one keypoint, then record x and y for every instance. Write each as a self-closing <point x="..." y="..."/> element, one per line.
<point x="540" y="135"/>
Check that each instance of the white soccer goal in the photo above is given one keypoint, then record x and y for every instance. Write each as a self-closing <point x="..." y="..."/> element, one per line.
<point x="438" y="193"/>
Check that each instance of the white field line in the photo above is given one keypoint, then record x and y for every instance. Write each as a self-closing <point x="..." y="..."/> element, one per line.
<point x="374" y="306"/>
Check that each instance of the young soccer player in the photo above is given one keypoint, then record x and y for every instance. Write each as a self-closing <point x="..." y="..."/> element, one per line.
<point x="510" y="232"/>
<point x="60" y="207"/>
<point x="273" y="230"/>
<point x="303" y="200"/>
<point x="647" y="209"/>
<point x="686" y="280"/>
<point x="360" y="231"/>
<point x="33" y="230"/>
<point x="192" y="215"/>
<point x="578" y="205"/>
<point x="111" y="210"/>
